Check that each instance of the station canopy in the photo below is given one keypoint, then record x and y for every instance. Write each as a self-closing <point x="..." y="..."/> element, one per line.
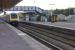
<point x="5" y="4"/>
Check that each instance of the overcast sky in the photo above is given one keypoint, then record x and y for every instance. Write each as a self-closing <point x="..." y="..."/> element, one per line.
<point x="45" y="4"/>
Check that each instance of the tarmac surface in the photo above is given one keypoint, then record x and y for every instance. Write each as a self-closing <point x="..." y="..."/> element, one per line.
<point x="13" y="39"/>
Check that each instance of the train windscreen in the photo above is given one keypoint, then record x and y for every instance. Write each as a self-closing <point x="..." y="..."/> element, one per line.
<point x="13" y="16"/>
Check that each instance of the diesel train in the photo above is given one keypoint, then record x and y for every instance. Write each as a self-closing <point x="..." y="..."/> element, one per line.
<point x="12" y="18"/>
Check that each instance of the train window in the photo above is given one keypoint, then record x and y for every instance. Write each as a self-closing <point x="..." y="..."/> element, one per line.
<point x="13" y="16"/>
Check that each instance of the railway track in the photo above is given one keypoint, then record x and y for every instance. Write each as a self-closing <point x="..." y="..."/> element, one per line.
<point x="53" y="39"/>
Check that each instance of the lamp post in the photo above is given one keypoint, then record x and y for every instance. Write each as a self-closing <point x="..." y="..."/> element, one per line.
<point x="34" y="3"/>
<point x="51" y="11"/>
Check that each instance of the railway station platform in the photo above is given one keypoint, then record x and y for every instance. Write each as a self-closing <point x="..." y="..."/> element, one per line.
<point x="58" y="24"/>
<point x="13" y="39"/>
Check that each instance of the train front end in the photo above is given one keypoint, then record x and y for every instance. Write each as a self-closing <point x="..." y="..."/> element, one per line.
<point x="14" y="18"/>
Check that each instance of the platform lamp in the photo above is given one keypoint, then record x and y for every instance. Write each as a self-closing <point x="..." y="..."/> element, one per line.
<point x="34" y="4"/>
<point x="51" y="11"/>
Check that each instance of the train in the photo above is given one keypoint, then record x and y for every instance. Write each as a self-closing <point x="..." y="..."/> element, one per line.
<point x="12" y="18"/>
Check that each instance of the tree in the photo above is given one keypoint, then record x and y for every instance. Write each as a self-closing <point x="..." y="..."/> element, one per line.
<point x="69" y="11"/>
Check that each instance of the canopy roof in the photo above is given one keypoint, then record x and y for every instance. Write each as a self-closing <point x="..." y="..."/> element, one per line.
<point x="4" y="4"/>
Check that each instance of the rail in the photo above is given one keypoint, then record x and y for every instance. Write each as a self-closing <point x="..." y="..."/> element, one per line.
<point x="60" y="38"/>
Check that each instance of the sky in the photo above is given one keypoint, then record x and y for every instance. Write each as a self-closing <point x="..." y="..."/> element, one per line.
<point x="48" y="4"/>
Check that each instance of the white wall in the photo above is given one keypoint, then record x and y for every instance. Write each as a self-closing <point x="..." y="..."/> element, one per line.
<point x="71" y="18"/>
<point x="61" y="17"/>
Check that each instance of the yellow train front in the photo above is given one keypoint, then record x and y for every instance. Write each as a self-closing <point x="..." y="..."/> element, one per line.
<point x="14" y="18"/>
